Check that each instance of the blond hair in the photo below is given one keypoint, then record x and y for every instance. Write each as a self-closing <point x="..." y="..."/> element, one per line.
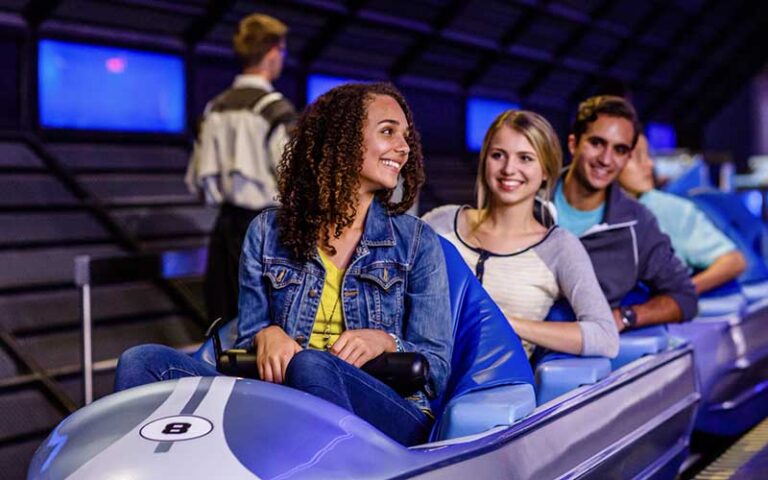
<point x="542" y="137"/>
<point x="256" y="35"/>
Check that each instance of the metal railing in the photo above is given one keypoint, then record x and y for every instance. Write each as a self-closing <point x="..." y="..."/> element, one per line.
<point x="95" y="271"/>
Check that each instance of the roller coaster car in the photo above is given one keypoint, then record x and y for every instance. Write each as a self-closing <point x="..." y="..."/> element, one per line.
<point x="730" y="335"/>
<point x="632" y="423"/>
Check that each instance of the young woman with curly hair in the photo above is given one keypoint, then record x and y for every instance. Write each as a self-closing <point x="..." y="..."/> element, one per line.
<point x="338" y="275"/>
<point x="521" y="257"/>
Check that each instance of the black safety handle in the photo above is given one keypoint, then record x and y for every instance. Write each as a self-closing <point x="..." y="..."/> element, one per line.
<point x="405" y="372"/>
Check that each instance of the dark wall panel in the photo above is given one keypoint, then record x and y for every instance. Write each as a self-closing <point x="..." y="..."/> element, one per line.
<point x="211" y="76"/>
<point x="561" y="122"/>
<point x="291" y="85"/>
<point x="439" y="116"/>
<point x="731" y="129"/>
<point x="9" y="82"/>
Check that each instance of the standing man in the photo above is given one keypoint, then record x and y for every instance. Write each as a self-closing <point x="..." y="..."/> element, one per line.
<point x="241" y="140"/>
<point x="621" y="236"/>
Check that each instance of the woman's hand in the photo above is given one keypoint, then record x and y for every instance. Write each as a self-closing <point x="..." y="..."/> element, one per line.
<point x="359" y="346"/>
<point x="274" y="351"/>
<point x="559" y="336"/>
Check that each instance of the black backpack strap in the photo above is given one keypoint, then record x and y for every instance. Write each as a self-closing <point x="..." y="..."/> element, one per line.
<point x="231" y="100"/>
<point x="278" y="112"/>
<point x="238" y="99"/>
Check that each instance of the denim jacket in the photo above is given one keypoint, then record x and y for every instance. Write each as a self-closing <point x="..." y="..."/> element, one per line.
<point x="396" y="281"/>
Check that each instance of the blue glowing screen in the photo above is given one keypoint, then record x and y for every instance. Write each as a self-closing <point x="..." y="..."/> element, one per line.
<point x="107" y="88"/>
<point x="661" y="136"/>
<point x="319" y="84"/>
<point x="481" y="112"/>
<point x="184" y="263"/>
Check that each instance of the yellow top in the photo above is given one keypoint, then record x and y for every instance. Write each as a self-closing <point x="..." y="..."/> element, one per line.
<point x="329" y="321"/>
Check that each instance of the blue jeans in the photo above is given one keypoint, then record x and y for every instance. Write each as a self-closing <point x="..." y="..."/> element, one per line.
<point x="316" y="372"/>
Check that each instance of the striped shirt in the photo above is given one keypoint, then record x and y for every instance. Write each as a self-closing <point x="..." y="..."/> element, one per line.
<point x="526" y="283"/>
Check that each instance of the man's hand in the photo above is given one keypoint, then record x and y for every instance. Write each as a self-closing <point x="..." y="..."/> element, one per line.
<point x="617" y="319"/>
<point x="274" y="351"/>
<point x="357" y="347"/>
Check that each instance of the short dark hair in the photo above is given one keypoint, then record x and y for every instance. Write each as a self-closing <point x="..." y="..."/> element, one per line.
<point x="609" y="105"/>
<point x="256" y="35"/>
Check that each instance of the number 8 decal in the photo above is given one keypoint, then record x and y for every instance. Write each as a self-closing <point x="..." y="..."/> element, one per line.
<point x="176" y="429"/>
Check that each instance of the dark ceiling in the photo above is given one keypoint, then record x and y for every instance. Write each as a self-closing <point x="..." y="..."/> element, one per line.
<point x="681" y="60"/>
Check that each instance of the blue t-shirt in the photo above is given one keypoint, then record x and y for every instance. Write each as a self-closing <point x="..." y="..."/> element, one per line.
<point x="696" y="240"/>
<point x="575" y="221"/>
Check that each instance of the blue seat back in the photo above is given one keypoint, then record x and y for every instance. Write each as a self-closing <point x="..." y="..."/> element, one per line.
<point x="697" y="176"/>
<point x="486" y="351"/>
<point x="748" y="232"/>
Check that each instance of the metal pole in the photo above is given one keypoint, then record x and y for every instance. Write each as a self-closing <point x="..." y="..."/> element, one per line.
<point x="85" y="298"/>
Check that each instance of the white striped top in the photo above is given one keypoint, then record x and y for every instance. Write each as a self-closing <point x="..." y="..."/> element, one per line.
<point x="526" y="283"/>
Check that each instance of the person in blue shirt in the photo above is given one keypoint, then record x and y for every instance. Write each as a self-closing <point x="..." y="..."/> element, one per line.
<point x="697" y="242"/>
<point x="338" y="274"/>
<point x="620" y="235"/>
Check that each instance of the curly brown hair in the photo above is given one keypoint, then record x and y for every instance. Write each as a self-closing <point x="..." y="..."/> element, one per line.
<point x="319" y="173"/>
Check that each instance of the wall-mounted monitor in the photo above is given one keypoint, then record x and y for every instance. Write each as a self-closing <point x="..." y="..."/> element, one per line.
<point x="661" y="136"/>
<point x="90" y="87"/>
<point x="481" y="112"/>
<point x="318" y="84"/>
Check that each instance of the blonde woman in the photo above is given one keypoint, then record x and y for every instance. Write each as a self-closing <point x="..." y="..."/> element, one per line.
<point x="510" y="239"/>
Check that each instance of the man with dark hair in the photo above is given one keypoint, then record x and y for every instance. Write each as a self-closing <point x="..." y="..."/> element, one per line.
<point x="621" y="236"/>
<point x="241" y="139"/>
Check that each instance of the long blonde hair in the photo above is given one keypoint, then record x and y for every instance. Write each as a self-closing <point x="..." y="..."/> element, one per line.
<point x="542" y="137"/>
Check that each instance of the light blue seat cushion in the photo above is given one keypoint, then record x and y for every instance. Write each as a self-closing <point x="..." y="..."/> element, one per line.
<point x="634" y="344"/>
<point x="481" y="410"/>
<point x="565" y="373"/>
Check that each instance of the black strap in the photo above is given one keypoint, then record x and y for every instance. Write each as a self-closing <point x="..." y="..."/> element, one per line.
<point x="238" y="99"/>
<point x="279" y="112"/>
<point x="276" y="113"/>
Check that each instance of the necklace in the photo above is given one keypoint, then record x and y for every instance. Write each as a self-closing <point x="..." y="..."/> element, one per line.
<point x="327" y="331"/>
